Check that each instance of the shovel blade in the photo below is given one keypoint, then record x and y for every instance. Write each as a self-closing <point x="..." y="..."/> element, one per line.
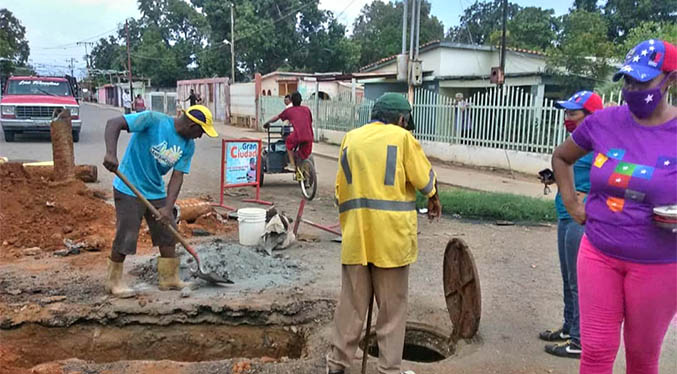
<point x="213" y="277"/>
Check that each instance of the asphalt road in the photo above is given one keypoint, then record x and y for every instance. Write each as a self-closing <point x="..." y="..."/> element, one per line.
<point x="205" y="169"/>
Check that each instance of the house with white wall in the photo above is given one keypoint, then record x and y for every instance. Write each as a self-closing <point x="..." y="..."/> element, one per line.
<point x="450" y="68"/>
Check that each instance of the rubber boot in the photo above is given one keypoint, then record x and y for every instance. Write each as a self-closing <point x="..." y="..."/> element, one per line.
<point x="168" y="274"/>
<point x="114" y="283"/>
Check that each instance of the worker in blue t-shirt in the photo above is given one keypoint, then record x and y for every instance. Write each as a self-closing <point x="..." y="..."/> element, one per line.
<point x="159" y="143"/>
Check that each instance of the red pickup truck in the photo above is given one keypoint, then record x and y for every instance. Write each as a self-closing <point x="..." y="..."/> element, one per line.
<point x="28" y="103"/>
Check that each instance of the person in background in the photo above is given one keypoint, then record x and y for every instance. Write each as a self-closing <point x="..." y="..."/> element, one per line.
<point x="139" y="104"/>
<point x="569" y="232"/>
<point x="463" y="124"/>
<point x="192" y="98"/>
<point x="301" y="118"/>
<point x="381" y="167"/>
<point x="287" y="101"/>
<point x="127" y="102"/>
<point x="627" y="264"/>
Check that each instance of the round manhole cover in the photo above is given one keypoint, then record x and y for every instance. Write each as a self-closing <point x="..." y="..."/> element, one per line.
<point x="462" y="289"/>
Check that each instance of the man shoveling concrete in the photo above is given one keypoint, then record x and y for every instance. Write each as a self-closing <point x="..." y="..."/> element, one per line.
<point x="158" y="144"/>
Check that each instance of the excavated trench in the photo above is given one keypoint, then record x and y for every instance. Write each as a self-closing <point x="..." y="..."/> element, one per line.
<point x="33" y="344"/>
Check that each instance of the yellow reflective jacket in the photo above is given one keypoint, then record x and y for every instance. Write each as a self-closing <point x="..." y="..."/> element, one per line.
<point x="380" y="168"/>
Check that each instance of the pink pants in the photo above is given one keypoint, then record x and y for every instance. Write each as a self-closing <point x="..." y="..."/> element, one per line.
<point x="642" y="297"/>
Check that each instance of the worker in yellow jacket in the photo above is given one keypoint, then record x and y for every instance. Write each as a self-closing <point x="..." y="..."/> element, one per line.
<point x="381" y="166"/>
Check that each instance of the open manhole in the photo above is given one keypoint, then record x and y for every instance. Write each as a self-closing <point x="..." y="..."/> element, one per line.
<point x="33" y="344"/>
<point x="422" y="343"/>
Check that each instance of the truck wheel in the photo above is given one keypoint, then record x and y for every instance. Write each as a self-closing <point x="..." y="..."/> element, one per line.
<point x="9" y="136"/>
<point x="76" y="136"/>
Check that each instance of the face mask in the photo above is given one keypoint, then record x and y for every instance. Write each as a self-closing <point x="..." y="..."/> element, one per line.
<point x="643" y="103"/>
<point x="570" y="125"/>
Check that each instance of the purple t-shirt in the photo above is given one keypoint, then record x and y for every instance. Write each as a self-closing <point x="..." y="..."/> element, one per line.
<point x="634" y="169"/>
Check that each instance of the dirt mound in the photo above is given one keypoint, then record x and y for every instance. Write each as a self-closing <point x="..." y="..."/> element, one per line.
<point x="36" y="215"/>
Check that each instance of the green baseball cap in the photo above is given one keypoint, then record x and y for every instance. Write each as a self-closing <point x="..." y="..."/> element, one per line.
<point x="395" y="102"/>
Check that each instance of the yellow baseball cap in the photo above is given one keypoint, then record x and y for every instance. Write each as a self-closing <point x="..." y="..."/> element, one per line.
<point x="201" y="115"/>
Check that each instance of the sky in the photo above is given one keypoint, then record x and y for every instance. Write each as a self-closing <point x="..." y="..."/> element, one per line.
<point x="54" y="26"/>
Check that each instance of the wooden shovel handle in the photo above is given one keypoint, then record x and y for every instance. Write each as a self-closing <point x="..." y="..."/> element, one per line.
<point x="156" y="213"/>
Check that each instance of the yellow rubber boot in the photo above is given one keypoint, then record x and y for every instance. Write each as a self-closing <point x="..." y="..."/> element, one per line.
<point x="168" y="274"/>
<point x="114" y="283"/>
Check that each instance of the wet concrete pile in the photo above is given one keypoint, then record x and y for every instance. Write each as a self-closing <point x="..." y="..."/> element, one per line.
<point x="247" y="267"/>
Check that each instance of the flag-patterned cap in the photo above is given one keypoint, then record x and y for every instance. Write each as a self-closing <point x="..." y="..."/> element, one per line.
<point x="587" y="100"/>
<point x="648" y="59"/>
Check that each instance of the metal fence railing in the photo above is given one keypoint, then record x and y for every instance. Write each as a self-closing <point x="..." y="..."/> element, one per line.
<point x="508" y="118"/>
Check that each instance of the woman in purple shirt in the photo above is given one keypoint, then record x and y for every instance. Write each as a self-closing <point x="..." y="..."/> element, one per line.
<point x="627" y="265"/>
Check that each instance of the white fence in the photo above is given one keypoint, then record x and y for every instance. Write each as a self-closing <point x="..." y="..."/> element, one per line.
<point x="505" y="119"/>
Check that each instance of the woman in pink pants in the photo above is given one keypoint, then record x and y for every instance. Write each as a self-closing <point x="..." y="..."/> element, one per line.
<point x="627" y="265"/>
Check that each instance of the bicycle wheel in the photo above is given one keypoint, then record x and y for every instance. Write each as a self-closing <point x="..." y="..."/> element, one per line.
<point x="309" y="182"/>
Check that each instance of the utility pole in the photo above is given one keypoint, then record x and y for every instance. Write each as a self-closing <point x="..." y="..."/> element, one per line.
<point x="87" y="56"/>
<point x="129" y="62"/>
<point x="71" y="65"/>
<point x="505" y="20"/>
<point x="410" y="80"/>
<point x="232" y="42"/>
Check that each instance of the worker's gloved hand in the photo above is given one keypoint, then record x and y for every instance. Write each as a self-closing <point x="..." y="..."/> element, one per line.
<point x="166" y="215"/>
<point x="434" y="207"/>
<point x="266" y="125"/>
<point x="110" y="162"/>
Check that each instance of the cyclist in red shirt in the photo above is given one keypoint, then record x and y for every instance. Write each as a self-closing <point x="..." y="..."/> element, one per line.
<point x="302" y="120"/>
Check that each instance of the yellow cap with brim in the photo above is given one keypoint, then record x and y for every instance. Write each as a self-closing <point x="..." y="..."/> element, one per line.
<point x="201" y="115"/>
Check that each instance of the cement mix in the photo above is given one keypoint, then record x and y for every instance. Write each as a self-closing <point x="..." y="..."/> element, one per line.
<point x="247" y="267"/>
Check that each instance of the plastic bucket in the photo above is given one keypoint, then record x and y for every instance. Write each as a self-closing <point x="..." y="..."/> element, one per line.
<point x="251" y="225"/>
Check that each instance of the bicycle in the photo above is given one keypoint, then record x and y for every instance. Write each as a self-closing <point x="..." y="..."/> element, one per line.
<point x="275" y="161"/>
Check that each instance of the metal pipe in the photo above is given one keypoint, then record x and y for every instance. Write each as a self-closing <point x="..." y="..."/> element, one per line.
<point x="404" y="27"/>
<point x="411" y="34"/>
<point x="505" y="20"/>
<point x="418" y="26"/>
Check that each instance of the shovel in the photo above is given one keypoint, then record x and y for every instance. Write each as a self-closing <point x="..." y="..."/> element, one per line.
<point x="209" y="277"/>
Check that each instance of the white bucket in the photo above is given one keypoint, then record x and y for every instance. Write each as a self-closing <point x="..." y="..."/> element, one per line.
<point x="251" y="225"/>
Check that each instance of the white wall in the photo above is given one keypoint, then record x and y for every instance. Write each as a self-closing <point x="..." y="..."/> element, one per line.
<point x="443" y="61"/>
<point x="242" y="99"/>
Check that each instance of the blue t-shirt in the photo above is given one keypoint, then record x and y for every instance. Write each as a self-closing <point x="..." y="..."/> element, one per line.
<point x="581" y="181"/>
<point x="154" y="149"/>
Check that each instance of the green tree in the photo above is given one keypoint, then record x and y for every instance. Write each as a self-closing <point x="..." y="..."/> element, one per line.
<point x="108" y="54"/>
<point x="480" y="20"/>
<point x="14" y="49"/>
<point x="378" y="29"/>
<point x="623" y="15"/>
<point x="531" y="28"/>
<point x="648" y="30"/>
<point x="587" y="5"/>
<point x="272" y="35"/>
<point x="582" y="50"/>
